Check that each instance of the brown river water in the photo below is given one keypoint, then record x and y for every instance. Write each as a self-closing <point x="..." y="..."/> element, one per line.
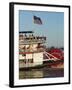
<point x="41" y="73"/>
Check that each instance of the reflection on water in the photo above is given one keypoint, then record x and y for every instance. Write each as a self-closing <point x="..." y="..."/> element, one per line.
<point x="31" y="74"/>
<point x="41" y="73"/>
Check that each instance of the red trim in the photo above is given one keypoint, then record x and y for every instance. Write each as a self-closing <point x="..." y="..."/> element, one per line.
<point x="28" y="52"/>
<point x="25" y="52"/>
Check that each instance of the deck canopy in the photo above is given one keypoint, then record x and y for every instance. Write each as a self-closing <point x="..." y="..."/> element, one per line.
<point x="25" y="32"/>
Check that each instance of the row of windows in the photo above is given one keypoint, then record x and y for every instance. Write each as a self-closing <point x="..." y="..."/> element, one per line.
<point x="27" y="61"/>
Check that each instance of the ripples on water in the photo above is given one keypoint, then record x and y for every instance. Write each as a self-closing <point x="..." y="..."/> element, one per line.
<point x="41" y="73"/>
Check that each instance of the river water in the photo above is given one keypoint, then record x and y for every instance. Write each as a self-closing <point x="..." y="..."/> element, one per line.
<point x="41" y="73"/>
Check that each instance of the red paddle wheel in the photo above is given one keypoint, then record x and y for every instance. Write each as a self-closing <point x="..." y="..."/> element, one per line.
<point x="54" y="58"/>
<point x="54" y="54"/>
<point x="57" y="53"/>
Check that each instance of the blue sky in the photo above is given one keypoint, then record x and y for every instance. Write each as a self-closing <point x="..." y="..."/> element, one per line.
<point x="52" y="27"/>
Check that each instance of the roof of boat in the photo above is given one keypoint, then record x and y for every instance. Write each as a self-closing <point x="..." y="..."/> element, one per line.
<point x="26" y="32"/>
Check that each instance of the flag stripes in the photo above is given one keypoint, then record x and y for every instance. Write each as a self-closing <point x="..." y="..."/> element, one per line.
<point x="37" y="20"/>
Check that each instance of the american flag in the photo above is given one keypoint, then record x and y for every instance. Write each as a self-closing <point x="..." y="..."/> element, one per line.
<point x="37" y="20"/>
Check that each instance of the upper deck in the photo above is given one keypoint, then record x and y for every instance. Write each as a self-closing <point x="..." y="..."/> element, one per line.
<point x="27" y="37"/>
